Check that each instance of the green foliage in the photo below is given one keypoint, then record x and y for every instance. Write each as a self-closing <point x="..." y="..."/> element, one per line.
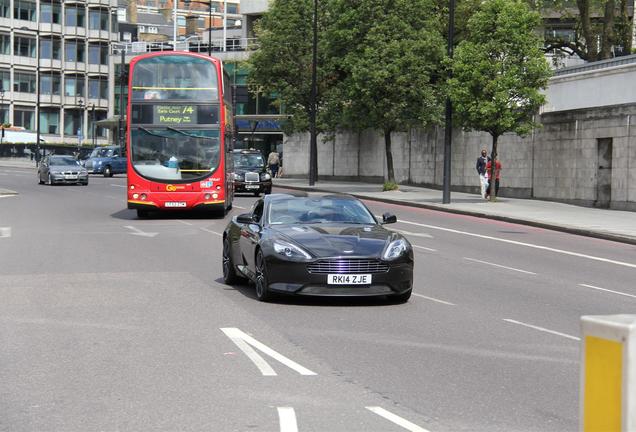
<point x="499" y="69"/>
<point x="282" y="64"/>
<point x="389" y="186"/>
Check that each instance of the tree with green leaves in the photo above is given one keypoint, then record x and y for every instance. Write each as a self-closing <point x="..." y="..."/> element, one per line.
<point x="498" y="72"/>
<point x="385" y="57"/>
<point x="282" y="65"/>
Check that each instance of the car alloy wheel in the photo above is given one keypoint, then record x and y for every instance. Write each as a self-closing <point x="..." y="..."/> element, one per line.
<point x="262" y="290"/>
<point x="229" y="273"/>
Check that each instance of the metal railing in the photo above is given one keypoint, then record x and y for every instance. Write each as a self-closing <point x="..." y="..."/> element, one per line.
<point x="601" y="64"/>
<point x="231" y="45"/>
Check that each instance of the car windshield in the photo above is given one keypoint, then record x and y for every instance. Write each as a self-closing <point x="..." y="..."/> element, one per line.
<point x="248" y="160"/>
<point x="308" y="210"/>
<point x="64" y="161"/>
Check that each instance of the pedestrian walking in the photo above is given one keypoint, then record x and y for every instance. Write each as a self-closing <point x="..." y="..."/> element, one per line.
<point x="497" y="176"/>
<point x="273" y="161"/>
<point x="482" y="160"/>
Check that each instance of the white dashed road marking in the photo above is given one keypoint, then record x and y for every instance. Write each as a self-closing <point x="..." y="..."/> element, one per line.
<point x="545" y="330"/>
<point x="5" y="232"/>
<point x="287" y="419"/>
<point x="393" y="418"/>
<point x="243" y="341"/>
<point x="184" y="222"/>
<point x="530" y="245"/>
<point x="212" y="232"/>
<point x="434" y="299"/>
<point x="499" y="265"/>
<point x="138" y="232"/>
<point x="116" y="185"/>
<point x="424" y="248"/>
<point x="607" y="290"/>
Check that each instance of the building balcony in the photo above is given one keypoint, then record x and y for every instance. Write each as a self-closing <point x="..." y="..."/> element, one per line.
<point x="95" y="69"/>
<point x="74" y="67"/>
<point x="99" y="103"/>
<point x="98" y="35"/>
<point x="47" y="28"/>
<point x="23" y="61"/>
<point x="5" y="22"/>
<point x="22" y="25"/>
<point x="19" y="97"/>
<point x="100" y="3"/>
<point x="73" y="32"/>
<point x="50" y="100"/>
<point x="48" y="64"/>
<point x="7" y="59"/>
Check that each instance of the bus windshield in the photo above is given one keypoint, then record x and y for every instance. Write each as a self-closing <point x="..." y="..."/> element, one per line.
<point x="169" y="154"/>
<point x="175" y="77"/>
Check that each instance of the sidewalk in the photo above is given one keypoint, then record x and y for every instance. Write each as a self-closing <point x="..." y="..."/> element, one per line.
<point x="14" y="163"/>
<point x="608" y="224"/>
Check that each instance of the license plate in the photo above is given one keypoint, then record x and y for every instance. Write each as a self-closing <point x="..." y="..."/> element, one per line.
<point x="70" y="177"/>
<point x="175" y="204"/>
<point x="349" y="279"/>
<point x="252" y="186"/>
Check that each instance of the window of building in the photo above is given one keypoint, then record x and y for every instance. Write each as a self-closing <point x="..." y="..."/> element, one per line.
<point x="153" y="30"/>
<point x="121" y="15"/>
<point x="50" y="49"/>
<point x="4" y="114"/>
<point x="74" y="86"/>
<point x="5" y="80"/>
<point x="181" y="21"/>
<point x="75" y="16"/>
<point x="24" y="46"/>
<point x="98" y="88"/>
<point x="98" y="20"/>
<point x="24" y="117"/>
<point x="5" y="44"/>
<point x="50" y="120"/>
<point x="72" y="121"/>
<point x="24" y="82"/>
<point x="98" y="54"/>
<point x="50" y="84"/>
<point x="24" y="10"/>
<point x="74" y="51"/>
<point x="127" y="37"/>
<point x="95" y="116"/>
<point x="50" y="13"/>
<point x="5" y="8"/>
<point x="142" y="29"/>
<point x="232" y="8"/>
<point x="114" y="22"/>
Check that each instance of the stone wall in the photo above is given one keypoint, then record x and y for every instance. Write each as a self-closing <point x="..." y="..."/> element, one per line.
<point x="557" y="162"/>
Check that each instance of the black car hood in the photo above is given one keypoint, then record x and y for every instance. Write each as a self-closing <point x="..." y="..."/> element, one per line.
<point x="325" y="240"/>
<point x="242" y="170"/>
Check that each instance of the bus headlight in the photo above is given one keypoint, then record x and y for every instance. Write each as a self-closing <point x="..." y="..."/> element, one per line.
<point x="135" y="195"/>
<point x="265" y="177"/>
<point x="206" y="196"/>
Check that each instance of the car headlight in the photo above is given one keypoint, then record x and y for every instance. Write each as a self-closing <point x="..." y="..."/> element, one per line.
<point x="395" y="249"/>
<point x="265" y="176"/>
<point x="290" y="251"/>
<point x="237" y="176"/>
<point x="97" y="163"/>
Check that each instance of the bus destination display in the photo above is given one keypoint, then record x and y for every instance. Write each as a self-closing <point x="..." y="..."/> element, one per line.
<point x="175" y="115"/>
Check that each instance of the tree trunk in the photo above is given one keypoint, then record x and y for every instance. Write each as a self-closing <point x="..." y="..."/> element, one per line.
<point x="389" y="156"/>
<point x="586" y="29"/>
<point x="493" y="170"/>
<point x="607" y="37"/>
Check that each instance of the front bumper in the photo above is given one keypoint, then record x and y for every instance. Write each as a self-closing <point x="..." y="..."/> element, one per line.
<point x="294" y="278"/>
<point x="262" y="186"/>
<point x="59" y="178"/>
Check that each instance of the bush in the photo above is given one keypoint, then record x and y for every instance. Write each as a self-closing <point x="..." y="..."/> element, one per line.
<point x="389" y="186"/>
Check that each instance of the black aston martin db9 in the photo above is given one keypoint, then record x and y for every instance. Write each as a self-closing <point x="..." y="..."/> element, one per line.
<point x="319" y="245"/>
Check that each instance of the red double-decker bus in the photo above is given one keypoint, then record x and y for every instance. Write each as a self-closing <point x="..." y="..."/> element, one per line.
<point x="179" y="133"/>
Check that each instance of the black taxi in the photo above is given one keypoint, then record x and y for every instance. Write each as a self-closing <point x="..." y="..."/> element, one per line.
<point x="250" y="172"/>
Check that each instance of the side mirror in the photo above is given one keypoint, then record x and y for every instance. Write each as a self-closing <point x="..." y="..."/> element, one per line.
<point x="245" y="218"/>
<point x="388" y="218"/>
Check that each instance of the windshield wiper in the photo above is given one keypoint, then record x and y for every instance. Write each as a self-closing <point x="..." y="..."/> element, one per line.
<point x="187" y="134"/>
<point x="152" y="133"/>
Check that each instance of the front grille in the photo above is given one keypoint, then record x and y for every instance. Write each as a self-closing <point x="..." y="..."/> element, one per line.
<point x="70" y="173"/>
<point x="252" y="177"/>
<point x="345" y="266"/>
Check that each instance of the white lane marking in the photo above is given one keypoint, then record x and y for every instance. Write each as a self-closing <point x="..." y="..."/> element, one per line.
<point x="5" y="232"/>
<point x="256" y="358"/>
<point x="542" y="329"/>
<point x="287" y="419"/>
<point x="236" y="334"/>
<point x="409" y="233"/>
<point x="608" y="290"/>
<point x="393" y="418"/>
<point x="499" y="265"/>
<point x="424" y="248"/>
<point x="116" y="185"/>
<point x="185" y="223"/>
<point x="434" y="299"/>
<point x="212" y="232"/>
<point x="530" y="245"/>
<point x="138" y="232"/>
<point x="239" y="207"/>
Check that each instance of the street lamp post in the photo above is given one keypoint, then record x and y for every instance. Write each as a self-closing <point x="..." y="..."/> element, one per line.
<point x="2" y="108"/>
<point x="448" y="133"/>
<point x="93" y="122"/>
<point x="313" y="145"/>
<point x="209" y="4"/>
<point x="37" y="82"/>
<point x="79" y="134"/>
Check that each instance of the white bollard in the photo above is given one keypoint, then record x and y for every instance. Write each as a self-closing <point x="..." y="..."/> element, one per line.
<point x="608" y="374"/>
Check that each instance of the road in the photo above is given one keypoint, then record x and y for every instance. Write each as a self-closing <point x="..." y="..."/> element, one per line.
<point x="111" y="323"/>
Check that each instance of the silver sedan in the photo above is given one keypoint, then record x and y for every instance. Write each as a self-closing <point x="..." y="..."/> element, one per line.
<point x="62" y="169"/>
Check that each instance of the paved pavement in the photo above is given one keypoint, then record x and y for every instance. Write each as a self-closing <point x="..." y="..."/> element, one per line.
<point x="608" y="224"/>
